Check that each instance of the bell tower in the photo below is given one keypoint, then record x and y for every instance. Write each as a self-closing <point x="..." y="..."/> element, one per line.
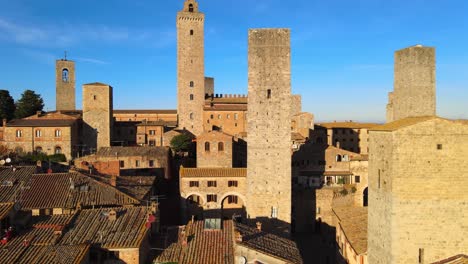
<point x="190" y="67"/>
<point x="65" y="84"/>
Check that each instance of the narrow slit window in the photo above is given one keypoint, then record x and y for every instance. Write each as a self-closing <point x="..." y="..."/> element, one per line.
<point x="191" y="32"/>
<point x="191" y="97"/>
<point x="268" y="93"/>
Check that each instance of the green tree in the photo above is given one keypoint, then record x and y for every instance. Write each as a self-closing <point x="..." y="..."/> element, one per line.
<point x="181" y="143"/>
<point x="7" y="105"/>
<point x="28" y="104"/>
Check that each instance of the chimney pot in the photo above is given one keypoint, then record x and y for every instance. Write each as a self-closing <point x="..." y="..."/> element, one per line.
<point x="259" y="226"/>
<point x="4" y="122"/>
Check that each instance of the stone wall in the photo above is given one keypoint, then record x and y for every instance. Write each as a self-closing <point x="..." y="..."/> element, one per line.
<point x="421" y="202"/>
<point x="414" y="84"/>
<point x="231" y="122"/>
<point x="209" y="85"/>
<point x="269" y="124"/>
<point x="97" y="115"/>
<point x="190" y="68"/>
<point x="214" y="150"/>
<point x="65" y="85"/>
<point x="47" y="142"/>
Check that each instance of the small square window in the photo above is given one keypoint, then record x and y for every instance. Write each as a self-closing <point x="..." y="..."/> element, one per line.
<point x="151" y="163"/>
<point x="211" y="183"/>
<point x="193" y="183"/>
<point x="439" y="146"/>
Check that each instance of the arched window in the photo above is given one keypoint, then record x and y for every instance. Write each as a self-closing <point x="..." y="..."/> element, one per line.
<point x="236" y="116"/>
<point x="191" y="97"/>
<point x="65" y="75"/>
<point x="220" y="146"/>
<point x="58" y="133"/>
<point x="38" y="149"/>
<point x="19" y="133"/>
<point x="190" y="8"/>
<point x="58" y="150"/>
<point x="191" y="32"/>
<point x="207" y="146"/>
<point x="38" y="133"/>
<point x="191" y="83"/>
<point x="191" y="116"/>
<point x="345" y="158"/>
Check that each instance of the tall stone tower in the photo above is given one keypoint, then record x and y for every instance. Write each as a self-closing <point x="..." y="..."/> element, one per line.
<point x="190" y="67"/>
<point x="97" y="115"/>
<point x="414" y="84"/>
<point x="269" y="125"/>
<point x="65" y="84"/>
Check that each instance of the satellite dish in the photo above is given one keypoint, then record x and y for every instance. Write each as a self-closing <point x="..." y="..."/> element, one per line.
<point x="2" y="162"/>
<point x="243" y="260"/>
<point x="8" y="160"/>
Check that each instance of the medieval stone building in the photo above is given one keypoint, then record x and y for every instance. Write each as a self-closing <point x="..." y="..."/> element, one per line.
<point x="417" y="172"/>
<point x="65" y="84"/>
<point x="269" y="125"/>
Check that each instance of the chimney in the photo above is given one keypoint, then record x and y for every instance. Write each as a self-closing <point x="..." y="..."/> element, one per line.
<point x="38" y="113"/>
<point x="72" y="184"/>
<point x="193" y="219"/>
<point x="113" y="180"/>
<point x="238" y="236"/>
<point x="4" y="122"/>
<point x="112" y="215"/>
<point x="338" y="144"/>
<point x="183" y="237"/>
<point x="259" y="226"/>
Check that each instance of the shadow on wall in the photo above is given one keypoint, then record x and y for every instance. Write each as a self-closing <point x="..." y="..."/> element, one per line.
<point x="90" y="136"/>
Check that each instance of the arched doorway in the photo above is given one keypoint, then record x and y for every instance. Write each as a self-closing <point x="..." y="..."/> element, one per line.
<point x="365" y="197"/>
<point x="232" y="207"/>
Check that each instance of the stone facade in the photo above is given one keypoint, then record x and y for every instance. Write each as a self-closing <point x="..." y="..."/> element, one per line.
<point x="137" y="115"/>
<point x="269" y="125"/>
<point x="97" y="115"/>
<point x="190" y="67"/>
<point x="225" y="112"/>
<point x="209" y="85"/>
<point x="349" y="135"/>
<point x="50" y="133"/>
<point x="296" y="104"/>
<point x="65" y="85"/>
<point x="214" y="150"/>
<point x="417" y="190"/>
<point x="210" y="191"/>
<point x="414" y="86"/>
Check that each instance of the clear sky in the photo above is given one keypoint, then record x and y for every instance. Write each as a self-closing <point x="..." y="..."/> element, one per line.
<point x="342" y="50"/>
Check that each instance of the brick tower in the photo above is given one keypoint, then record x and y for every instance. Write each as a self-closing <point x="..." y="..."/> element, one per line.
<point x="97" y="115"/>
<point x="414" y="85"/>
<point x="190" y="67"/>
<point x="64" y="84"/>
<point x="269" y="126"/>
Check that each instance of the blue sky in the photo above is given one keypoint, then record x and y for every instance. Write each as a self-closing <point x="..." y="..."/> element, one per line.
<point x="342" y="51"/>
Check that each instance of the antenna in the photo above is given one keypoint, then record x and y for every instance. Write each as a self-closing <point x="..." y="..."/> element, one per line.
<point x="65" y="55"/>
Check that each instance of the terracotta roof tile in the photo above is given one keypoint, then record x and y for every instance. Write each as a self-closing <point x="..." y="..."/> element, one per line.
<point x="43" y="244"/>
<point x="5" y="209"/>
<point x="203" y="246"/>
<point x="145" y="111"/>
<point x="12" y="181"/>
<point x="353" y="222"/>
<point x="355" y="125"/>
<point x="54" y="191"/>
<point x="92" y="226"/>
<point x="41" y="122"/>
<point x="213" y="172"/>
<point x="160" y="152"/>
<point x="395" y="125"/>
<point x="269" y="244"/>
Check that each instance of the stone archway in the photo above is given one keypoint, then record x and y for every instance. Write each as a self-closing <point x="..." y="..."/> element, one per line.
<point x="233" y="206"/>
<point x="194" y="205"/>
